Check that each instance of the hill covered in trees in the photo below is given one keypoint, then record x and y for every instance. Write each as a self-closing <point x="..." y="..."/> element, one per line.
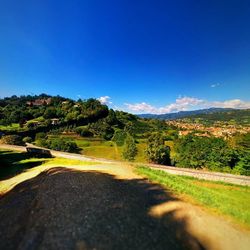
<point x="208" y="116"/>
<point x="29" y="115"/>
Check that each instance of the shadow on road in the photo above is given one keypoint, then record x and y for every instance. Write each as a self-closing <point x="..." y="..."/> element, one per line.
<point x="69" y="209"/>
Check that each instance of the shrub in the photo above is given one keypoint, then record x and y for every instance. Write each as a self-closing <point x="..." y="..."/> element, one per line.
<point x="12" y="140"/>
<point x="27" y="139"/>
<point x="62" y="144"/>
<point x="40" y="135"/>
<point x="119" y="137"/>
<point x="86" y="133"/>
<point x="130" y="149"/>
<point x="42" y="143"/>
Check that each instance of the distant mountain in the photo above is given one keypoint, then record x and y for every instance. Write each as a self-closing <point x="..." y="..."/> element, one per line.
<point x="184" y="114"/>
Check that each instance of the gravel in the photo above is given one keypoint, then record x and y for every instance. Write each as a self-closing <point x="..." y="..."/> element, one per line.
<point x="70" y="209"/>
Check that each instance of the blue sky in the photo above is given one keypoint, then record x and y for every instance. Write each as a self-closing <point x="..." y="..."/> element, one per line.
<point x="146" y="56"/>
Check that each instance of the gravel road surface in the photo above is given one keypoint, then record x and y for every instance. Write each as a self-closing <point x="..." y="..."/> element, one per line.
<point x="69" y="209"/>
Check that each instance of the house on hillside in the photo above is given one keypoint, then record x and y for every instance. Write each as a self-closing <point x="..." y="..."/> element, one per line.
<point x="39" y="102"/>
<point x="54" y="121"/>
<point x="183" y="133"/>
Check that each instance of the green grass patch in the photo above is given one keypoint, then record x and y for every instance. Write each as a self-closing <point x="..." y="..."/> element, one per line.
<point x="227" y="199"/>
<point x="100" y="148"/>
<point x="12" y="127"/>
<point x="58" y="162"/>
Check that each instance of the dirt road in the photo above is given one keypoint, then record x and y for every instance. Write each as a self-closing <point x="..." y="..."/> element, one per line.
<point x="106" y="207"/>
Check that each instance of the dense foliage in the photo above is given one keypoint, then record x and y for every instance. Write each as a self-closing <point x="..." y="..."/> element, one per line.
<point x="212" y="153"/>
<point x="12" y="140"/>
<point x="157" y="151"/>
<point x="60" y="144"/>
<point x="208" y="116"/>
<point x="130" y="149"/>
<point x="119" y="137"/>
<point x="39" y="110"/>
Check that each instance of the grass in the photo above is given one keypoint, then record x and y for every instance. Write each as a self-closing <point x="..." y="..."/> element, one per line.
<point x="109" y="150"/>
<point x="12" y="127"/>
<point x="101" y="148"/>
<point x="226" y="199"/>
<point x="59" y="162"/>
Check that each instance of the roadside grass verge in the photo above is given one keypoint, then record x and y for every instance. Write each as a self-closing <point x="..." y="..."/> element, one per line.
<point x="58" y="161"/>
<point x="226" y="199"/>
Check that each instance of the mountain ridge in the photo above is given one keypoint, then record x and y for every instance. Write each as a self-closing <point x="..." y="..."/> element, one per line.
<point x="183" y="114"/>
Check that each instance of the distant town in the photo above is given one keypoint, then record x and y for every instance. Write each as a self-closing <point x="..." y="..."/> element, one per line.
<point x="219" y="129"/>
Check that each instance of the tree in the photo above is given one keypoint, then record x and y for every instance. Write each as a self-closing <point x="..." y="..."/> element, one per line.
<point x="84" y="132"/>
<point x="50" y="113"/>
<point x="243" y="164"/>
<point x="241" y="144"/>
<point x="198" y="152"/>
<point x="27" y="139"/>
<point x="119" y="137"/>
<point x="130" y="149"/>
<point x="157" y="151"/>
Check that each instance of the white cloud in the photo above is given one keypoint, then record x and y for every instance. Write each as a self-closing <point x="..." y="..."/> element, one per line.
<point x="214" y="85"/>
<point x="181" y="104"/>
<point x="186" y="103"/>
<point x="104" y="100"/>
<point x="141" y="107"/>
<point x="234" y="103"/>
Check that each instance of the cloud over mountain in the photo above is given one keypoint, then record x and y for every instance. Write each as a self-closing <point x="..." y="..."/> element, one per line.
<point x="186" y="103"/>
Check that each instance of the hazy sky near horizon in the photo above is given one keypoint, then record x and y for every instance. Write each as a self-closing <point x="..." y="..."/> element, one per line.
<point x="140" y="56"/>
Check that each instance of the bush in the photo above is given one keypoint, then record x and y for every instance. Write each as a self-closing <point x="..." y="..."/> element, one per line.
<point x="130" y="149"/>
<point x="62" y="144"/>
<point x="42" y="143"/>
<point x="40" y="135"/>
<point x="86" y="133"/>
<point x="12" y="140"/>
<point x="119" y="137"/>
<point x="27" y="139"/>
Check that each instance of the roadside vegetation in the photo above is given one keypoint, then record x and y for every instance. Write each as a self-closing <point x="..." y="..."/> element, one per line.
<point x="226" y="199"/>
<point x="13" y="163"/>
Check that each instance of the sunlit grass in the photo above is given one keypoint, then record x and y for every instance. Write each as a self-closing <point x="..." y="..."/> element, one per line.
<point x="227" y="199"/>
<point x="58" y="161"/>
<point x="100" y="148"/>
<point x="12" y="127"/>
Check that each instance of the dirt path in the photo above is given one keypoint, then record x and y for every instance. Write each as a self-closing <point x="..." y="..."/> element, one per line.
<point x="106" y="207"/>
